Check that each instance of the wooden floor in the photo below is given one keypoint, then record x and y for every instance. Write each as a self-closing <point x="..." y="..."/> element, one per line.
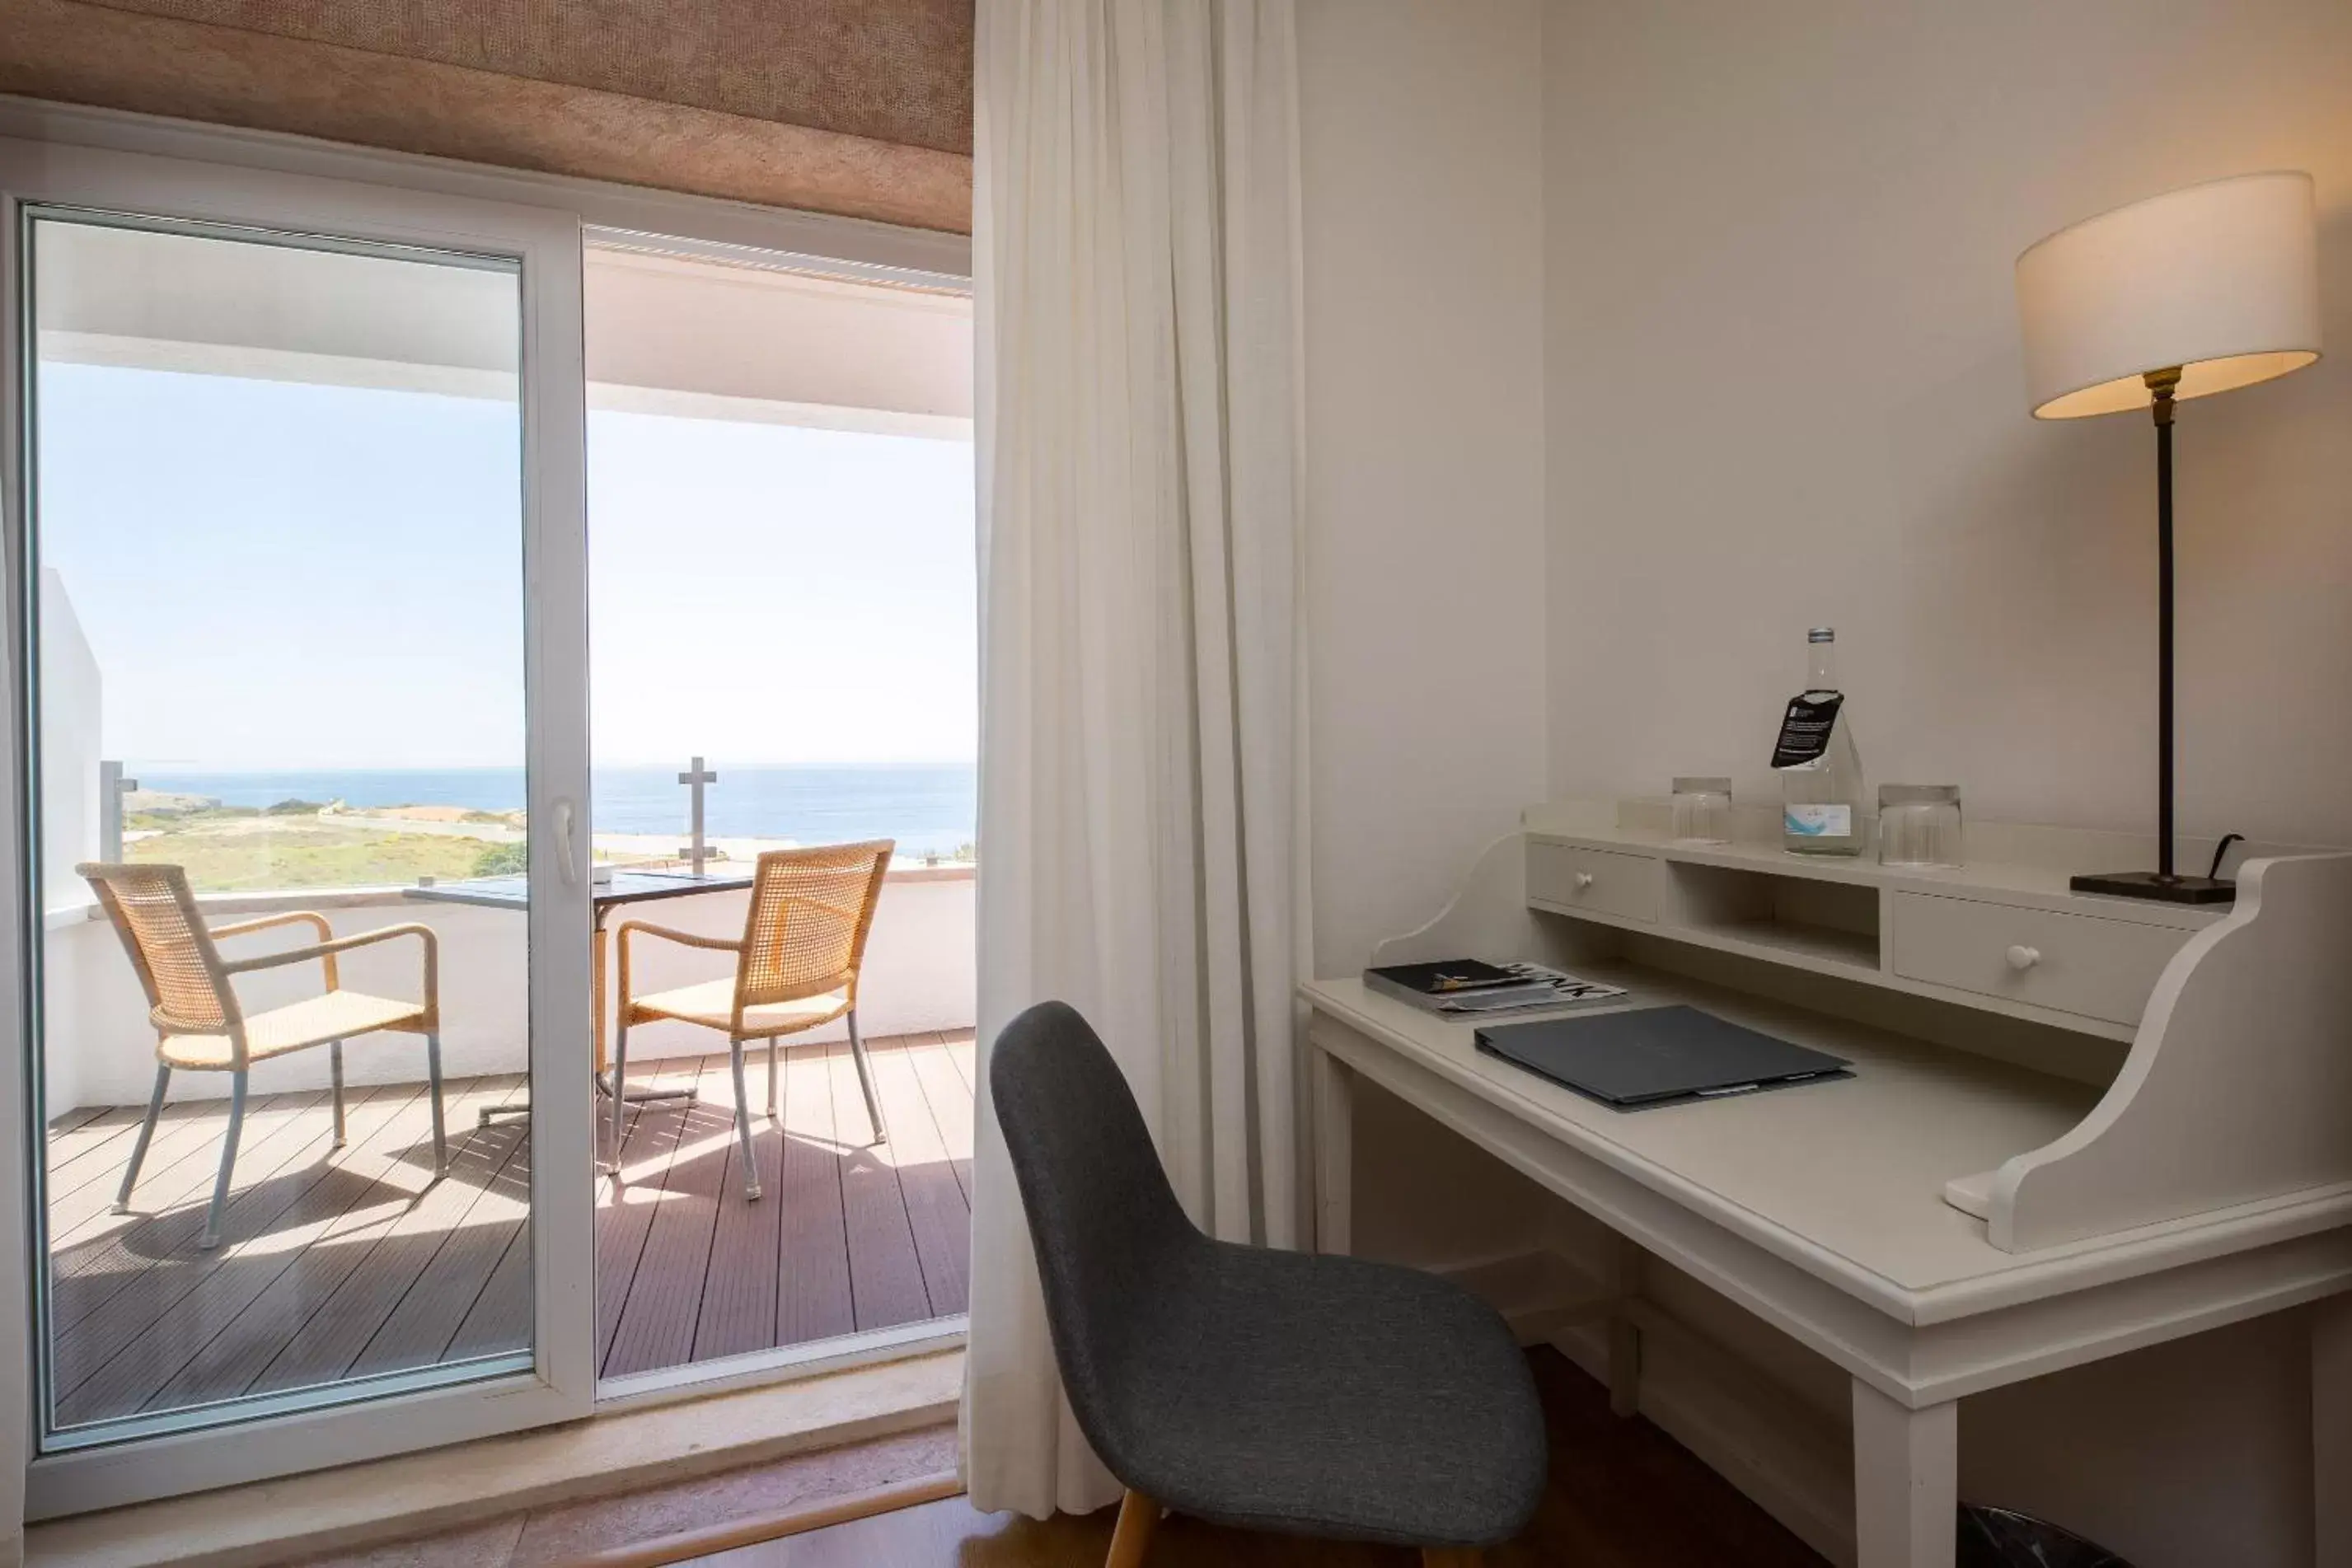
<point x="338" y="1263"/>
<point x="848" y="1236"/>
<point x="1622" y="1495"/>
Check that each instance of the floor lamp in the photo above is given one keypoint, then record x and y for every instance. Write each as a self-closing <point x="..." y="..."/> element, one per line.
<point x="2198" y="291"/>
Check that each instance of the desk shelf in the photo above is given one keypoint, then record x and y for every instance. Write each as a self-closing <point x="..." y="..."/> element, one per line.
<point x="2237" y="1085"/>
<point x="1946" y="934"/>
<point x="1832" y="925"/>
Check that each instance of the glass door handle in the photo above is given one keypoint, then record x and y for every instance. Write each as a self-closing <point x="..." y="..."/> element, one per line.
<point x="567" y="861"/>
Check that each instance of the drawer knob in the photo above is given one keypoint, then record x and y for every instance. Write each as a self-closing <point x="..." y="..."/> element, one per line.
<point x="2021" y="957"/>
<point x="1583" y="880"/>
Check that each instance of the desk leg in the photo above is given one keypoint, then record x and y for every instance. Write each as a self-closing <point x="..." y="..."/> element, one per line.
<point x="1333" y="1088"/>
<point x="2331" y="1431"/>
<point x="1907" y="1482"/>
<point x="1624" y="1338"/>
<point x="596" y="990"/>
<point x="605" y="1084"/>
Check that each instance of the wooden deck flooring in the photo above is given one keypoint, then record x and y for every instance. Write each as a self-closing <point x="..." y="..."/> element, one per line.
<point x="338" y="1263"/>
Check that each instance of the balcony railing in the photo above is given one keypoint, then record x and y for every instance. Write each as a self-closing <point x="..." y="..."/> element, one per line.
<point x="343" y="1261"/>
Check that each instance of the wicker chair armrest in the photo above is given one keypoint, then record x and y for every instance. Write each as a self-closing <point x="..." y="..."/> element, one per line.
<point x="310" y="917"/>
<point x="628" y="928"/>
<point x="291" y="918"/>
<point x="671" y="934"/>
<point x="327" y="951"/>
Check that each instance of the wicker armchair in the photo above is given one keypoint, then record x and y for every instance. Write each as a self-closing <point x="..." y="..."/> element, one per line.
<point x="795" y="967"/>
<point x="201" y="1026"/>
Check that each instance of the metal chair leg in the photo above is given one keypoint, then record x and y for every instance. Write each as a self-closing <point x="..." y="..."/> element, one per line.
<point x="620" y="1098"/>
<point x="771" y="1077"/>
<point x="866" y="1081"/>
<point x="146" y="1131"/>
<point x="743" y="1124"/>
<point x="211" y="1237"/>
<point x="335" y="1072"/>
<point x="440" y="1130"/>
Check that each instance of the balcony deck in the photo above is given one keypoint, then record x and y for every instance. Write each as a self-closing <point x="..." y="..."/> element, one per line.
<point x="350" y="1262"/>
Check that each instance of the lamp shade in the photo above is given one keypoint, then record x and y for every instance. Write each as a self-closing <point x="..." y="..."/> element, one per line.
<point x="2221" y="279"/>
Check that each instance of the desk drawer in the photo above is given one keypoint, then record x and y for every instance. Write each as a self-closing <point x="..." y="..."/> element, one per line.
<point x="2075" y="963"/>
<point x="1603" y="881"/>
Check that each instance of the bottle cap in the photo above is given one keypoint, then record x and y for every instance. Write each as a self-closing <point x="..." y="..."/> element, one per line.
<point x="1821" y="635"/>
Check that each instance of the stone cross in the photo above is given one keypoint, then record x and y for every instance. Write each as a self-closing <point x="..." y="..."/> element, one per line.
<point x="694" y="778"/>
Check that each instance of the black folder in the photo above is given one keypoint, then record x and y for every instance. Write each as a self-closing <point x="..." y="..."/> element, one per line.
<point x="1657" y="1056"/>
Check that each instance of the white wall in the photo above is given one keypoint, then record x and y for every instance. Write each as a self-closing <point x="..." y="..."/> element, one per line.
<point x="70" y="785"/>
<point x="119" y="286"/>
<point x="100" y="1051"/>
<point x="1420" y="131"/>
<point x="1421" y="160"/>
<point x="1784" y="389"/>
<point x="681" y="325"/>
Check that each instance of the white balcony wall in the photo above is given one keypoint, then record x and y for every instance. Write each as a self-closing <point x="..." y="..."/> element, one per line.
<point x="69" y="756"/>
<point x="100" y="1049"/>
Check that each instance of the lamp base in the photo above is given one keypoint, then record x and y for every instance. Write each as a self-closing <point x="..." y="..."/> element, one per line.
<point x="2156" y="885"/>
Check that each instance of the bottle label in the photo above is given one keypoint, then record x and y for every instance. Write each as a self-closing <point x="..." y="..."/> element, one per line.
<point x="1818" y="822"/>
<point x="1805" y="730"/>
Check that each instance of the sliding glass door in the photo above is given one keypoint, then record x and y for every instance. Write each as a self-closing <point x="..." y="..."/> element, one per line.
<point x="297" y="580"/>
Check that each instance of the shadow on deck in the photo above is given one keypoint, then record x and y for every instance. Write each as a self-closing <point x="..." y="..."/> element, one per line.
<point x="353" y="1262"/>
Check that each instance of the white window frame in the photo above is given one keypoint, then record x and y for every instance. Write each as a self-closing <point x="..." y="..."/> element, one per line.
<point x="782" y="1363"/>
<point x="178" y="166"/>
<point x="560" y="1384"/>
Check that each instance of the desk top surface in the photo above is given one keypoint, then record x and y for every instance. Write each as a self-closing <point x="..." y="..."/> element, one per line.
<point x="1843" y="1178"/>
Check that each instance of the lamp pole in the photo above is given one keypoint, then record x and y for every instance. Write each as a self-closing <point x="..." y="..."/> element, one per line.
<point x="2160" y="385"/>
<point x="2165" y="883"/>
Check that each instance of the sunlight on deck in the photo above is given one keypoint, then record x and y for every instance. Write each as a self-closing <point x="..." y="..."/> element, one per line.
<point x="341" y="1262"/>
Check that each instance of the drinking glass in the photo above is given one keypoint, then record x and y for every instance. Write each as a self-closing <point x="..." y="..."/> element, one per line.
<point x="1703" y="810"/>
<point x="1919" y="824"/>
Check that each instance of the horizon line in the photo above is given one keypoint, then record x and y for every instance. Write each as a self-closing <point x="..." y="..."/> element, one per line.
<point x="135" y="765"/>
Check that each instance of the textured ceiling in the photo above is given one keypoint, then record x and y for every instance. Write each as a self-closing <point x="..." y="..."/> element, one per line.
<point x="856" y="107"/>
<point x="893" y="71"/>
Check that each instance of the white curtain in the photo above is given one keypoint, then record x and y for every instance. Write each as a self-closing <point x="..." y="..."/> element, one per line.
<point x="1142" y="751"/>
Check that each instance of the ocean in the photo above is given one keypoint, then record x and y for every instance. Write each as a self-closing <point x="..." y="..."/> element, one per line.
<point x="928" y="809"/>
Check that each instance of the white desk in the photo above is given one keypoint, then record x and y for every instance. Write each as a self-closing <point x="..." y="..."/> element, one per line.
<point x="1824" y="1210"/>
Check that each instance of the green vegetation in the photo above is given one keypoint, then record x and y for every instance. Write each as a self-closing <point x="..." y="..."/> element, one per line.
<point x="503" y="859"/>
<point x="237" y="849"/>
<point x="300" y="844"/>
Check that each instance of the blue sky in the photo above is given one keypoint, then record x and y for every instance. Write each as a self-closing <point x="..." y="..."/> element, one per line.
<point x="278" y="575"/>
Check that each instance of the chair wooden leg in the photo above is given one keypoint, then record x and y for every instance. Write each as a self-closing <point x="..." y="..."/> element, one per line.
<point x="211" y="1237"/>
<point x="335" y="1076"/>
<point x="866" y="1081"/>
<point x="146" y="1133"/>
<point x="440" y="1129"/>
<point x="743" y="1124"/>
<point x="1139" y="1516"/>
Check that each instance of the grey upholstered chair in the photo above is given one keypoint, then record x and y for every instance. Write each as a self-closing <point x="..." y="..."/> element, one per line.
<point x="1272" y="1390"/>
